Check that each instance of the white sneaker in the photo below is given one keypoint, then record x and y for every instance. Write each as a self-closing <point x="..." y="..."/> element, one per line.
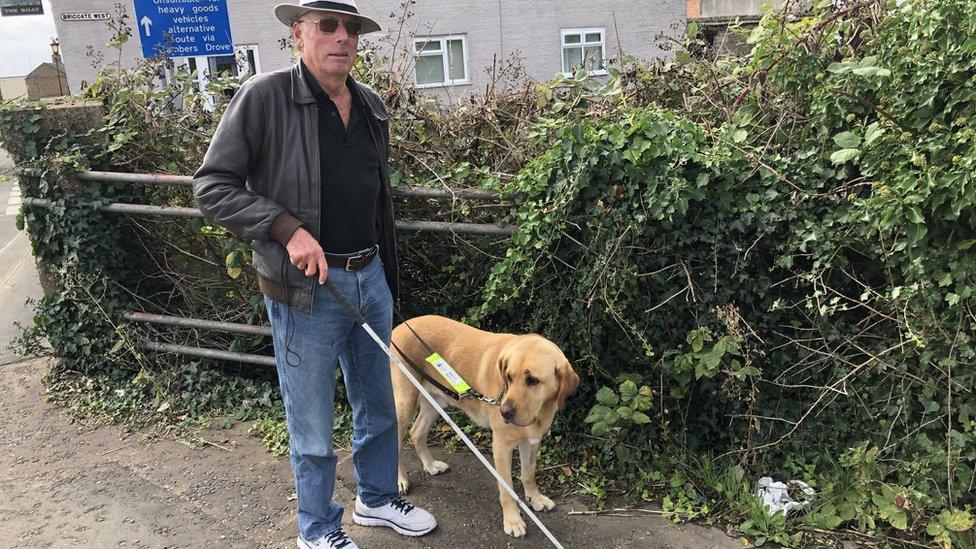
<point x="334" y="540"/>
<point x="399" y="514"/>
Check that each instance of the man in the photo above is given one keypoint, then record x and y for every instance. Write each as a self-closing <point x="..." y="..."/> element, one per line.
<point x="298" y="164"/>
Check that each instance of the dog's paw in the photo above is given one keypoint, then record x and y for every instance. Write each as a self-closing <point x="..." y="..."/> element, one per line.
<point x="515" y="526"/>
<point x="403" y="485"/>
<point x="540" y="502"/>
<point x="437" y="467"/>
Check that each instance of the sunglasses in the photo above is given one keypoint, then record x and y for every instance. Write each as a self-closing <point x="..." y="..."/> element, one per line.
<point x="329" y="26"/>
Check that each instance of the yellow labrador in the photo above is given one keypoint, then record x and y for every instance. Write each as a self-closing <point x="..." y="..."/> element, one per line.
<point x="529" y="371"/>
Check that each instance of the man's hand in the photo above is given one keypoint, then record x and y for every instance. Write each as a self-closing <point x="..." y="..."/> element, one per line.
<point x="306" y="254"/>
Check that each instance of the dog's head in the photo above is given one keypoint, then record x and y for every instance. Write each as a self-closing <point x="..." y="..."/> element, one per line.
<point x="538" y="378"/>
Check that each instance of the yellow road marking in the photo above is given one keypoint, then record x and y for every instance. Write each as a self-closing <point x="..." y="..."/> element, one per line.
<point x="3" y="286"/>
<point x="9" y="244"/>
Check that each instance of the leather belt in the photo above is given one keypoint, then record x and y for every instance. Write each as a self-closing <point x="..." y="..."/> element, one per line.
<point x="356" y="262"/>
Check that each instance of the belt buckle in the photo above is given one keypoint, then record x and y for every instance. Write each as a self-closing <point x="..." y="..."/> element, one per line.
<point x="358" y="257"/>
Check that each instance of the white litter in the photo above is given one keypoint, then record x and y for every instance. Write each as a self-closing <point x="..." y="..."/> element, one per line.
<point x="789" y="496"/>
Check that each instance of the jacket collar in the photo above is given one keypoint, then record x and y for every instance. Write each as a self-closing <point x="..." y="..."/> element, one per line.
<point x="317" y="91"/>
<point x="300" y="91"/>
<point x="303" y="94"/>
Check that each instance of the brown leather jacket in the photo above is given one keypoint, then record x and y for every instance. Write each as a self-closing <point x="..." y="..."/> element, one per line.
<point x="260" y="177"/>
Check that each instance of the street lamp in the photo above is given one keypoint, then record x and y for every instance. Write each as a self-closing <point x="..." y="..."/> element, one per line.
<point x="56" y="56"/>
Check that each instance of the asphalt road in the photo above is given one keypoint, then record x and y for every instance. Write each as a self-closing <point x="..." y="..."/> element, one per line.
<point x="18" y="276"/>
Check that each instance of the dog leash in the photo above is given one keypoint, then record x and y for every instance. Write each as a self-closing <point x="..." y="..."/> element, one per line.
<point x="460" y="389"/>
<point x="406" y="372"/>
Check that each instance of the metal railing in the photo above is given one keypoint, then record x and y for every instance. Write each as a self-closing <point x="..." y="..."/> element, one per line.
<point x="199" y="323"/>
<point x="182" y="321"/>
<point x="187" y="181"/>
<point x="180" y="211"/>
<point x="249" y="329"/>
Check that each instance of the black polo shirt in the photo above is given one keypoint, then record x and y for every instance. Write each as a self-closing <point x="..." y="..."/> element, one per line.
<point x="350" y="169"/>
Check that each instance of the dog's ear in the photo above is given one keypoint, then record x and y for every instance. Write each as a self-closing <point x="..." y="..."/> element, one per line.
<point x="568" y="383"/>
<point x="503" y="365"/>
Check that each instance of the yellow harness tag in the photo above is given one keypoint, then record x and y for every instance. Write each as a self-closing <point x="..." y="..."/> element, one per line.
<point x="448" y="373"/>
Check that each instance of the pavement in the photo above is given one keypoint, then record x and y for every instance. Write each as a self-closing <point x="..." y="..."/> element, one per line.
<point x="68" y="485"/>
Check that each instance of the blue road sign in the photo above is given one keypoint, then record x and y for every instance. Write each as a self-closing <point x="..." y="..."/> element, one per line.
<point x="183" y="28"/>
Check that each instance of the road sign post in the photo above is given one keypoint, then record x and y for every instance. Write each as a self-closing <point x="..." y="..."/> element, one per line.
<point x="183" y="28"/>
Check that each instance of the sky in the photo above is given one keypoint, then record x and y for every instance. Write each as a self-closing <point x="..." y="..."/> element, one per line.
<point x="25" y="42"/>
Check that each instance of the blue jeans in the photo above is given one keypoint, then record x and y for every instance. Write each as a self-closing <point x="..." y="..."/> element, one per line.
<point x="307" y="379"/>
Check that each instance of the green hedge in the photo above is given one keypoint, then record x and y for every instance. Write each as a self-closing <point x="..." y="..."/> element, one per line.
<point x="780" y="258"/>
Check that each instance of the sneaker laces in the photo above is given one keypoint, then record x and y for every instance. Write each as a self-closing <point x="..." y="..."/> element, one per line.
<point x="401" y="505"/>
<point x="338" y="539"/>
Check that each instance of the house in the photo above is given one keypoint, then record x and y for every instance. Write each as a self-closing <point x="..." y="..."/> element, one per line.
<point x="451" y="45"/>
<point x="715" y="18"/>
<point x="455" y="45"/>
<point x="47" y="80"/>
<point x="12" y="87"/>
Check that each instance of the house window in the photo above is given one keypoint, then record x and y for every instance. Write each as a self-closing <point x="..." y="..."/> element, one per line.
<point x="247" y="59"/>
<point x="583" y="48"/>
<point x="206" y="68"/>
<point x="244" y="62"/>
<point x="441" y="61"/>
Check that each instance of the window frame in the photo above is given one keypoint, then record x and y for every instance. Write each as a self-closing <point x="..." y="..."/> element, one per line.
<point x="443" y="54"/>
<point x="201" y="65"/>
<point x="582" y="32"/>
<point x="241" y="51"/>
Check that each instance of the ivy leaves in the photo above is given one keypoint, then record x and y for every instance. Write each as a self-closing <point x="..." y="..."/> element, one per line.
<point x="949" y="522"/>
<point x="823" y="187"/>
<point x="848" y="143"/>
<point x="620" y="410"/>
<point x="866" y="67"/>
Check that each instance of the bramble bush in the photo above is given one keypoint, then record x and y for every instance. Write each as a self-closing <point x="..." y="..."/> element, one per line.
<point x="759" y="265"/>
<point x="783" y="254"/>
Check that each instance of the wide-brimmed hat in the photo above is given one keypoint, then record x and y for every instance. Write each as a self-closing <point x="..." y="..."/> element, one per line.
<point x="287" y="13"/>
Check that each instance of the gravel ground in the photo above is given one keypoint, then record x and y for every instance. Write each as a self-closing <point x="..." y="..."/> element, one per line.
<point x="64" y="485"/>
